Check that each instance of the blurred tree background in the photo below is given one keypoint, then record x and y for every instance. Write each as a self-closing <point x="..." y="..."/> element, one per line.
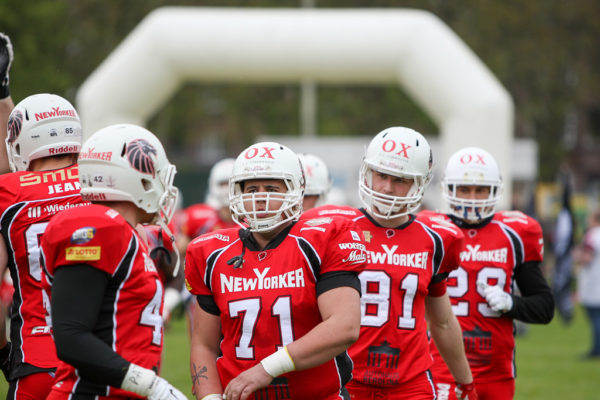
<point x="545" y="52"/>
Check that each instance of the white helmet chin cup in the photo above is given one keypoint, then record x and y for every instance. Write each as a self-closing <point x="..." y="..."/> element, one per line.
<point x="128" y="163"/>
<point x="218" y="183"/>
<point x="316" y="173"/>
<point x="266" y="160"/>
<point x="400" y="152"/>
<point x="41" y="125"/>
<point x="472" y="166"/>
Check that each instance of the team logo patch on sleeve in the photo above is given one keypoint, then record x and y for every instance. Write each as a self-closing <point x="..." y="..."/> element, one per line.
<point x="83" y="235"/>
<point x="83" y="253"/>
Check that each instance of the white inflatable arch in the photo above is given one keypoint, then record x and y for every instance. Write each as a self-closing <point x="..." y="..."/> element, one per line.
<point x="414" y="48"/>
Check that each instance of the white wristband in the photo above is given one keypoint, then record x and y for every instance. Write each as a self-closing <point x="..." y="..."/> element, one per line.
<point x="213" y="396"/>
<point x="138" y="380"/>
<point x="278" y="363"/>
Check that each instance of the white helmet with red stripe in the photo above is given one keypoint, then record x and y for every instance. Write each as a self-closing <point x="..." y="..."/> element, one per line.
<point x="401" y="152"/>
<point x="316" y="173"/>
<point x="266" y="160"/>
<point x="218" y="183"/>
<point x="472" y="166"/>
<point x="41" y="125"/>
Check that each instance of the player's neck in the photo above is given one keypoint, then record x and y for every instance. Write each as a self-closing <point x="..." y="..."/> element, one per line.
<point x="129" y="211"/>
<point x="52" y="163"/>
<point x="390" y="223"/>
<point x="263" y="238"/>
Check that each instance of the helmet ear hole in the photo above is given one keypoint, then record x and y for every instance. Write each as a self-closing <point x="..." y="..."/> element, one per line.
<point x="124" y="150"/>
<point x="18" y="149"/>
<point x="147" y="185"/>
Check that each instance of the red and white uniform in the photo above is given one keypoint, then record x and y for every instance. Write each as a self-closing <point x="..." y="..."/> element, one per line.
<point x="271" y="300"/>
<point x="490" y="254"/>
<point x="405" y="264"/>
<point x="27" y="202"/>
<point x="130" y="320"/>
<point x="199" y="219"/>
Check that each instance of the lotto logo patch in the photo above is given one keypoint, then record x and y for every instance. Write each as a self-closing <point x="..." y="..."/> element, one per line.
<point x="83" y="253"/>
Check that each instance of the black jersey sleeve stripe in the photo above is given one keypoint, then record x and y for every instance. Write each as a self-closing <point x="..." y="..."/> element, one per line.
<point x="516" y="242"/>
<point x="211" y="261"/>
<point x="106" y="319"/>
<point x="438" y="248"/>
<point x="310" y="254"/>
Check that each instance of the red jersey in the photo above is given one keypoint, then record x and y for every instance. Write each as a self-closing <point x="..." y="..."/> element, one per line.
<point x="405" y="264"/>
<point x="490" y="254"/>
<point x="130" y="320"/>
<point x="271" y="300"/>
<point x="27" y="202"/>
<point x="200" y="219"/>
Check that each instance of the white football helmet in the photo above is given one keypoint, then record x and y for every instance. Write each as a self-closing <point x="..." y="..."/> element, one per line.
<point x="400" y="152"/>
<point x="316" y="174"/>
<point x="266" y="160"/>
<point x="128" y="163"/>
<point x="472" y="166"/>
<point x="218" y="183"/>
<point x="41" y="125"/>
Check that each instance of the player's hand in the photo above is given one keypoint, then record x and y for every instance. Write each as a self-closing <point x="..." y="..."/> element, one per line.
<point x="146" y="383"/>
<point x="497" y="299"/>
<point x="6" y="58"/>
<point x="163" y="390"/>
<point x="466" y="391"/>
<point x="5" y="356"/>
<point x="246" y="383"/>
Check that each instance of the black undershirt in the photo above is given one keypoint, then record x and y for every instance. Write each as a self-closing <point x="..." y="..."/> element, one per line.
<point x="77" y="297"/>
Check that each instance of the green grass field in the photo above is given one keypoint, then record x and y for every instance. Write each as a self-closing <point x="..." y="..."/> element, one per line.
<point x="548" y="362"/>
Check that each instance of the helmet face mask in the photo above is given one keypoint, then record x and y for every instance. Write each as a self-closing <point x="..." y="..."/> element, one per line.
<point x="128" y="163"/>
<point x="476" y="167"/>
<point x="399" y="152"/>
<point x="41" y="125"/>
<point x="266" y="161"/>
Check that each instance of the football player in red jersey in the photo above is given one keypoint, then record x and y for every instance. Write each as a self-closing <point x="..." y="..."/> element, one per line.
<point x="106" y="294"/>
<point x="318" y="181"/>
<point x="403" y="286"/>
<point x="502" y="251"/>
<point x="44" y="137"/>
<point x="284" y="294"/>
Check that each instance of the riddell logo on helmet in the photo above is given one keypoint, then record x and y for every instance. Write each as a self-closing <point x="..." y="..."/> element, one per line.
<point x="63" y="149"/>
<point x="56" y="112"/>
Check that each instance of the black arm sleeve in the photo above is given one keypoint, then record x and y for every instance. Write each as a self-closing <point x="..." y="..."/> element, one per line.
<point x="335" y="279"/>
<point x="207" y="303"/>
<point x="536" y="303"/>
<point x="77" y="293"/>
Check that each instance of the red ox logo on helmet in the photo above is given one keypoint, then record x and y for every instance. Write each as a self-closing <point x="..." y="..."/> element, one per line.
<point x="472" y="158"/>
<point x="15" y="123"/>
<point x="139" y="154"/>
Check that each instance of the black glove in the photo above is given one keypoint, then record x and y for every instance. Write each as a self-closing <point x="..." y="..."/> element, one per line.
<point x="6" y="58"/>
<point x="5" y="356"/>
